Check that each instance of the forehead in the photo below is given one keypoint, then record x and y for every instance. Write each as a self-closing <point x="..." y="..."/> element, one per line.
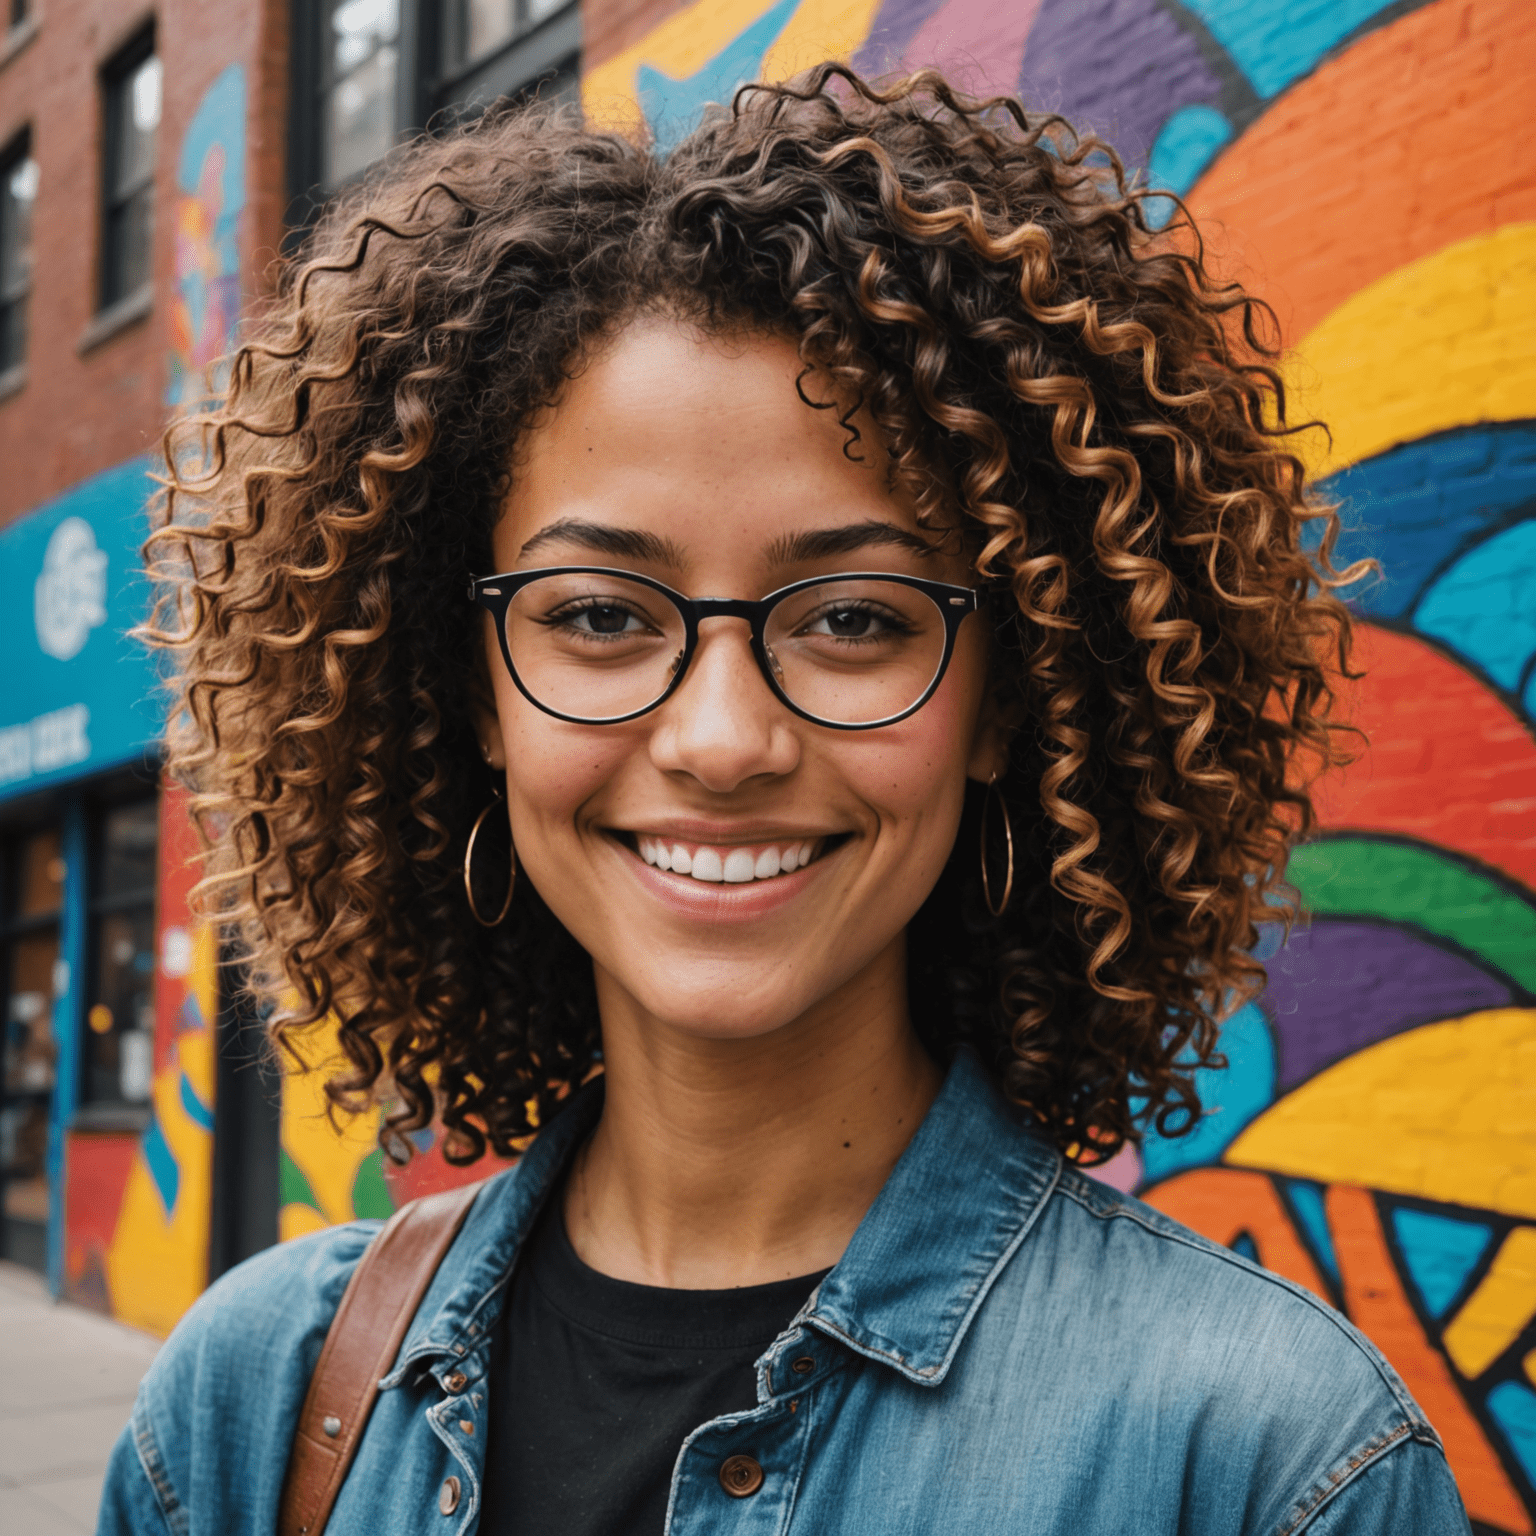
<point x="702" y="440"/>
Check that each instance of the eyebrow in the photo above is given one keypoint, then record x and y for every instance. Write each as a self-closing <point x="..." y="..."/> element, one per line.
<point x="791" y="549"/>
<point x="823" y="543"/>
<point x="605" y="539"/>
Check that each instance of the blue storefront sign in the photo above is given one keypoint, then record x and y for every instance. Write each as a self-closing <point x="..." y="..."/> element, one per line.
<point x="79" y="694"/>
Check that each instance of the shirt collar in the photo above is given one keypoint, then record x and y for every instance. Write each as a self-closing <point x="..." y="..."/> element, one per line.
<point x="959" y="1202"/>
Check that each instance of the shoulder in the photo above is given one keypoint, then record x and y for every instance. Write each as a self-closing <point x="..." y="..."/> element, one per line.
<point x="1211" y="1294"/>
<point x="1229" y="1369"/>
<point x="224" y="1392"/>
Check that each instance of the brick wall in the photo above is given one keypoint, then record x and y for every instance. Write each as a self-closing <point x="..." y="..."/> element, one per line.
<point x="82" y="412"/>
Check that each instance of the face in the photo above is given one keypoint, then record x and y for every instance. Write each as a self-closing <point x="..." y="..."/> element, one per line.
<point x="692" y="460"/>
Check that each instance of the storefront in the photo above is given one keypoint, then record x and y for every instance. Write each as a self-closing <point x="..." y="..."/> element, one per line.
<point x="80" y="851"/>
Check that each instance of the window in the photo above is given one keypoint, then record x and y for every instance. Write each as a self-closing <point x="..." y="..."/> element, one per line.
<point x="18" y="192"/>
<point x="473" y="29"/>
<point x="360" y="65"/>
<point x="131" y="95"/>
<point x="120" y="1019"/>
<point x="31" y="904"/>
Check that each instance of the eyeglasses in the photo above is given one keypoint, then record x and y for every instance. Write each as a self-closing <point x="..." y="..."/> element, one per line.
<point x="597" y="647"/>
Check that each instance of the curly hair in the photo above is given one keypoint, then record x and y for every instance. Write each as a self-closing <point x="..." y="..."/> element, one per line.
<point x="1064" y="384"/>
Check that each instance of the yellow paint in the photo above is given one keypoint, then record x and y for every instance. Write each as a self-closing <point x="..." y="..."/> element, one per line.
<point x="297" y="1220"/>
<point x="203" y="980"/>
<point x="819" y="30"/>
<point x="1529" y="1365"/>
<point x="681" y="46"/>
<point x="1443" y="1112"/>
<point x="1498" y="1309"/>
<point x="158" y="1262"/>
<point x="328" y="1154"/>
<point x="686" y="41"/>
<point x="1442" y="342"/>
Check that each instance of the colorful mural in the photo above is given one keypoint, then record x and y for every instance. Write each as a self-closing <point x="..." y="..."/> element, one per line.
<point x="1374" y="1136"/>
<point x="136" y="1241"/>
<point x="210" y="185"/>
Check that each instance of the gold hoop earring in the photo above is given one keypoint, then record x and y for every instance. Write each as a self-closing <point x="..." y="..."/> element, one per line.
<point x="469" y="888"/>
<point x="998" y="908"/>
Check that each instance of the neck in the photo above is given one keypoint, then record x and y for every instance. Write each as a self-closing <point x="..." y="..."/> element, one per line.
<point x="728" y="1162"/>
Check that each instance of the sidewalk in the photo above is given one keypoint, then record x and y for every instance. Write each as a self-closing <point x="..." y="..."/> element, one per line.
<point x="67" y="1379"/>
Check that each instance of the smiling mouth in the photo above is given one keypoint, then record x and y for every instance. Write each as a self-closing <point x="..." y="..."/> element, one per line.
<point x="715" y="864"/>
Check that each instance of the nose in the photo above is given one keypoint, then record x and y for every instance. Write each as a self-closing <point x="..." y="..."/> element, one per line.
<point x="724" y="726"/>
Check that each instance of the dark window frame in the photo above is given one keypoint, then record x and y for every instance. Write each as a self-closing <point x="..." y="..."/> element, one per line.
<point x="116" y="77"/>
<point x="17" y="1242"/>
<point x="15" y="301"/>
<point x="123" y="792"/>
<point x="429" y="92"/>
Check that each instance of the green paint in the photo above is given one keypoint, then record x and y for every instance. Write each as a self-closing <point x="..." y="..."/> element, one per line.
<point x="370" y="1194"/>
<point x="293" y="1187"/>
<point x="1413" y="883"/>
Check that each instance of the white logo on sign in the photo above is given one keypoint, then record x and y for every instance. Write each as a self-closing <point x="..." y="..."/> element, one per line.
<point x="70" y="598"/>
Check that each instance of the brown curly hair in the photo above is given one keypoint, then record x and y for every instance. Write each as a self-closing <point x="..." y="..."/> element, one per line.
<point x="1065" y="385"/>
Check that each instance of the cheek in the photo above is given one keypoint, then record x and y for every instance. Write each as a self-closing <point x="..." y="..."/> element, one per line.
<point x="553" y="768"/>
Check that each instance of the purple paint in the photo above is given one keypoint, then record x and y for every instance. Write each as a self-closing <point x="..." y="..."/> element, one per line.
<point x="1338" y="986"/>
<point x="898" y="22"/>
<point x="1118" y="68"/>
<point x="977" y="43"/>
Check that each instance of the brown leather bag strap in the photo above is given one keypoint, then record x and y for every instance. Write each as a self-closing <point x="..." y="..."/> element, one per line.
<point x="380" y="1300"/>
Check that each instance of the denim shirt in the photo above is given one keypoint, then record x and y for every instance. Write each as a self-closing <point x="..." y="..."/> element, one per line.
<point x="1005" y="1346"/>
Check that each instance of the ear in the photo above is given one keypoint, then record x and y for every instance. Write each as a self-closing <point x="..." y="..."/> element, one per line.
<point x="989" y="744"/>
<point x="485" y="720"/>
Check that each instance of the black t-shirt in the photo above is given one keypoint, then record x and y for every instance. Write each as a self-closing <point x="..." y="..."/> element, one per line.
<point x="596" y="1383"/>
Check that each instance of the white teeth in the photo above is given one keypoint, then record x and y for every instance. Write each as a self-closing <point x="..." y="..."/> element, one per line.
<point x="738" y="868"/>
<point x="706" y="866"/>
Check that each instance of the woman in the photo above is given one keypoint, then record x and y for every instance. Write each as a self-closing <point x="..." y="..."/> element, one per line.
<point x="886" y="640"/>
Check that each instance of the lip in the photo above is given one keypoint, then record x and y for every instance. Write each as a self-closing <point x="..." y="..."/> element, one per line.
<point x="720" y="904"/>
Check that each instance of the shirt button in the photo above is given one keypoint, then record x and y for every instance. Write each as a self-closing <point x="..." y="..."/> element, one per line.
<point x="740" y="1476"/>
<point x="456" y="1381"/>
<point x="448" y="1496"/>
<point x="803" y="1366"/>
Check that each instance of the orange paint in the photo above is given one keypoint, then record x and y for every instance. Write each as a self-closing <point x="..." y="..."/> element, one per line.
<point x="1386" y="154"/>
<point x="1220" y="1203"/>
<point x="1377" y="1305"/>
<point x="1449" y="762"/>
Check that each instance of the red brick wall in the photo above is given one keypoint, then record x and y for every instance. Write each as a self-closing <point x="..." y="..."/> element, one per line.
<point x="79" y="414"/>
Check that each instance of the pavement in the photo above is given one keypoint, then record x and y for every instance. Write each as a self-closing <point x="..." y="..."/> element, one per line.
<point x="67" y="1381"/>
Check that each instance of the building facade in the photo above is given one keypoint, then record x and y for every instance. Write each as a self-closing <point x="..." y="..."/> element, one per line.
<point x="1356" y="162"/>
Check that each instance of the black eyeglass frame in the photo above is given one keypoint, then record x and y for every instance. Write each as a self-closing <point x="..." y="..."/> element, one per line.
<point x="495" y="594"/>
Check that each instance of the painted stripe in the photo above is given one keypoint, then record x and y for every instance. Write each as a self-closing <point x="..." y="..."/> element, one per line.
<point x="1406" y="882"/>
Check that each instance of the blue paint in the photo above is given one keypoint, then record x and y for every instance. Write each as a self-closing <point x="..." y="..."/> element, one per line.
<point x="68" y="1022"/>
<point x="673" y="107"/>
<point x="198" y="1112"/>
<point x="1513" y="1408"/>
<point x="1484" y="606"/>
<point x="1307" y="1202"/>
<point x="1277" y="41"/>
<point x="1439" y="1253"/>
<point x="190" y="1014"/>
<point x="79" y="694"/>
<point x="1412" y="508"/>
<point x="1244" y="1244"/>
<point x="1231" y="1099"/>
<point x="162" y="1165"/>
<point x="1185" y="145"/>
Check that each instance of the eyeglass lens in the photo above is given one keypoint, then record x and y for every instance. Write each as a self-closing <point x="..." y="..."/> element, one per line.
<point x="597" y="647"/>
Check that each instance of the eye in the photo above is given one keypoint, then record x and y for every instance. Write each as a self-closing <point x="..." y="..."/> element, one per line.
<point x="599" y="618"/>
<point x="856" y="621"/>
